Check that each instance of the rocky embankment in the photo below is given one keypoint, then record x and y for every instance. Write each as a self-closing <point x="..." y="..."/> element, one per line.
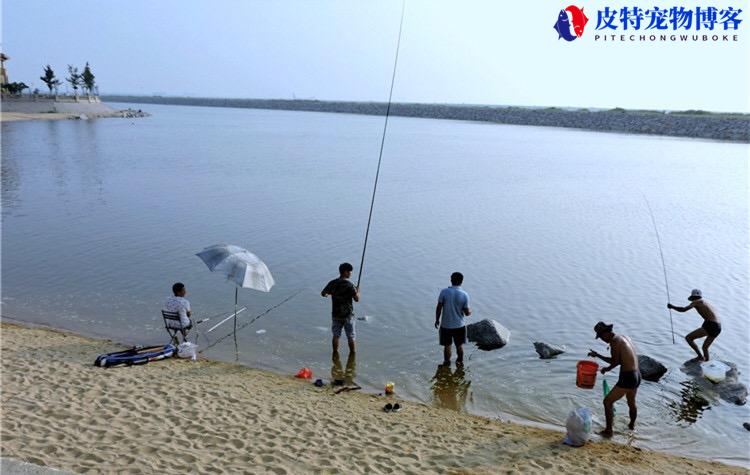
<point x="696" y="124"/>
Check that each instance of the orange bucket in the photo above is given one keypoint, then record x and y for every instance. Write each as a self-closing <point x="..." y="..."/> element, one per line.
<point x="304" y="373"/>
<point x="586" y="374"/>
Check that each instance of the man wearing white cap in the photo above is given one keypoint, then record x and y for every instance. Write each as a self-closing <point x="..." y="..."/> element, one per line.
<point x="711" y="326"/>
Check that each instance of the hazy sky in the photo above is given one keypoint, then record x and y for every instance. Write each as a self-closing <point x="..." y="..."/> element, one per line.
<point x="488" y="52"/>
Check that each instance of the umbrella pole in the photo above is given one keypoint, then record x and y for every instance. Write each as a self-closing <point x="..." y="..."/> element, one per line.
<point x="236" y="350"/>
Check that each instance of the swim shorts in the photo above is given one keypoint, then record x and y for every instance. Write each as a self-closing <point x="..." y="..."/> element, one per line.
<point x="712" y="328"/>
<point x="629" y="379"/>
<point x="452" y="335"/>
<point x="347" y="325"/>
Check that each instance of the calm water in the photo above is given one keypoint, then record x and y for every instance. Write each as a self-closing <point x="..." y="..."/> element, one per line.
<point x="548" y="225"/>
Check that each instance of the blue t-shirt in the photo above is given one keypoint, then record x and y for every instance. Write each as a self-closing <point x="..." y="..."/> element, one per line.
<point x="454" y="300"/>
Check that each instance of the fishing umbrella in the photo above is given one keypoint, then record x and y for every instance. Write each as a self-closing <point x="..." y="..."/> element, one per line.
<point x="240" y="266"/>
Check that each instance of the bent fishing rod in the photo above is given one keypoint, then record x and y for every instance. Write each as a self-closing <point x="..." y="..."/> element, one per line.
<point x="663" y="266"/>
<point x="382" y="142"/>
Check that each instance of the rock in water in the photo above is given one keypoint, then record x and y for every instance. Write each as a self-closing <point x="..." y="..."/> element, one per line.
<point x="488" y="334"/>
<point x="651" y="370"/>
<point x="730" y="389"/>
<point x="733" y="391"/>
<point x="547" y="351"/>
<point x="746" y="425"/>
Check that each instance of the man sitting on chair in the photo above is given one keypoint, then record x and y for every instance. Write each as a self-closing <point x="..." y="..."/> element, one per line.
<point x="180" y="305"/>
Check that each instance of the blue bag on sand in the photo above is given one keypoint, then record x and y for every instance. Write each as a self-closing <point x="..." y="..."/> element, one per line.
<point x="578" y="426"/>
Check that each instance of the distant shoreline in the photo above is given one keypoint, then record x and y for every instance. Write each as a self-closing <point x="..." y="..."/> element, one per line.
<point x="697" y="124"/>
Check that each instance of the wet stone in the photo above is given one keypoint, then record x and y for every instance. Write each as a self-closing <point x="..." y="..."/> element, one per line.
<point x="547" y="351"/>
<point x="651" y="370"/>
<point x="488" y="334"/>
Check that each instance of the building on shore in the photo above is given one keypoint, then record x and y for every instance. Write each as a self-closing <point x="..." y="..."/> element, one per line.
<point x="3" y="74"/>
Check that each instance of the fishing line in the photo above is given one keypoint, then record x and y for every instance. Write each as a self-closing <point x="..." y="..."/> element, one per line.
<point x="382" y="142"/>
<point x="265" y="312"/>
<point x="663" y="266"/>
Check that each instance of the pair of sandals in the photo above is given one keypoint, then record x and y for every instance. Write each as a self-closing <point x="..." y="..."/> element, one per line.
<point x="392" y="407"/>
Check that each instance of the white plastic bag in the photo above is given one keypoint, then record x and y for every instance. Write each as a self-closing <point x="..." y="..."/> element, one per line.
<point x="579" y="427"/>
<point x="187" y="350"/>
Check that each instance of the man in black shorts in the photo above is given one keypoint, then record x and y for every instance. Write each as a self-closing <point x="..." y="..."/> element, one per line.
<point x="711" y="325"/>
<point x="623" y="355"/>
<point x="453" y="306"/>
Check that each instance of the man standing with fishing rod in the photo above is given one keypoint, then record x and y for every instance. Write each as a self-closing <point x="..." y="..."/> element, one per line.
<point x="342" y="292"/>
<point x="711" y="326"/>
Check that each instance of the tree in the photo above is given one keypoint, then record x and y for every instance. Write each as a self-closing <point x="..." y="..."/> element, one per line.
<point x="15" y="87"/>
<point x="88" y="78"/>
<point x="49" y="79"/>
<point x="74" y="78"/>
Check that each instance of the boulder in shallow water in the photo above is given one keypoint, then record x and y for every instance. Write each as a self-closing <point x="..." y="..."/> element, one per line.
<point x="730" y="389"/>
<point x="651" y="370"/>
<point x="547" y="351"/>
<point x="488" y="334"/>
<point x="733" y="391"/>
<point x="746" y="425"/>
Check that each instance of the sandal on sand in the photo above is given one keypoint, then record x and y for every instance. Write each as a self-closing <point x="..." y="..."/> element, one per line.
<point x="388" y="407"/>
<point x="396" y="407"/>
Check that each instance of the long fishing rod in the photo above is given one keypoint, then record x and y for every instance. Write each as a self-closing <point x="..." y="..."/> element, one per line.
<point x="267" y="311"/>
<point x="663" y="266"/>
<point x="382" y="142"/>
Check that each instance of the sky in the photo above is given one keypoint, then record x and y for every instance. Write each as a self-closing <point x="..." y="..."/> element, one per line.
<point x="471" y="52"/>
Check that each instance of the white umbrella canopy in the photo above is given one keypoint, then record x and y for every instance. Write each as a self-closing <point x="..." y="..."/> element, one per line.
<point x="239" y="265"/>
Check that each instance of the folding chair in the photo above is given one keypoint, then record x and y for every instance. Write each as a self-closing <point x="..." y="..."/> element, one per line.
<point x="176" y="328"/>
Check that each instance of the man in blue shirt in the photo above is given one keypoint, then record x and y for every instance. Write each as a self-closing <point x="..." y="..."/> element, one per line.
<point x="453" y="305"/>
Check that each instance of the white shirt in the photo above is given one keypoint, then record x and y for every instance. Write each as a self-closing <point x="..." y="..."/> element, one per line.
<point x="181" y="306"/>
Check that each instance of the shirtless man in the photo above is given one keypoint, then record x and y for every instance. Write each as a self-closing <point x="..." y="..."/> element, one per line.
<point x="711" y="326"/>
<point x="623" y="355"/>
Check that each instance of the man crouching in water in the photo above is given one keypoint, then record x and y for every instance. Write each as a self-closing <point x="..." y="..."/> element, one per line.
<point x="623" y="355"/>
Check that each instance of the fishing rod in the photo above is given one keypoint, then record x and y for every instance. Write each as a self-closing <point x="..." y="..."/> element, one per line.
<point x="663" y="266"/>
<point x="234" y="314"/>
<point x="382" y="142"/>
<point x="267" y="311"/>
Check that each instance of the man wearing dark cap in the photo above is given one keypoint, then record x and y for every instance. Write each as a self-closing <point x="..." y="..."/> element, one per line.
<point x="623" y="355"/>
<point x="711" y="326"/>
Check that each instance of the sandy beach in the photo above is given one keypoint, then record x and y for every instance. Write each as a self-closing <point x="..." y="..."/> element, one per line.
<point x="180" y="416"/>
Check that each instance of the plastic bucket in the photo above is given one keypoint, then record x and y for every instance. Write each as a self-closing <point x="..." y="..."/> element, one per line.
<point x="586" y="374"/>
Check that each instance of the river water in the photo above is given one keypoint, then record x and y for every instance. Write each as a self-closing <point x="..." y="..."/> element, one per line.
<point x="549" y="226"/>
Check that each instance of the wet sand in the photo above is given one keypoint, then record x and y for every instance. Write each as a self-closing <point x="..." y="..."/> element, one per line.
<point x="178" y="416"/>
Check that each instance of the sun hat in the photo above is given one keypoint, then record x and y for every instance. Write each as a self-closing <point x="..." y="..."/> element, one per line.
<point x="695" y="294"/>
<point x="602" y="327"/>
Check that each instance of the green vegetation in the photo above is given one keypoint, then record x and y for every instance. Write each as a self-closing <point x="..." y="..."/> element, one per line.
<point x="88" y="78"/>
<point x="49" y="79"/>
<point x="74" y="78"/>
<point x="14" y="88"/>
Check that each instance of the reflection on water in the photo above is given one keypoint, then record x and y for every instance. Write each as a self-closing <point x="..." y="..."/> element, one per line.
<point x="450" y="389"/>
<point x="340" y="376"/>
<point x="691" y="405"/>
